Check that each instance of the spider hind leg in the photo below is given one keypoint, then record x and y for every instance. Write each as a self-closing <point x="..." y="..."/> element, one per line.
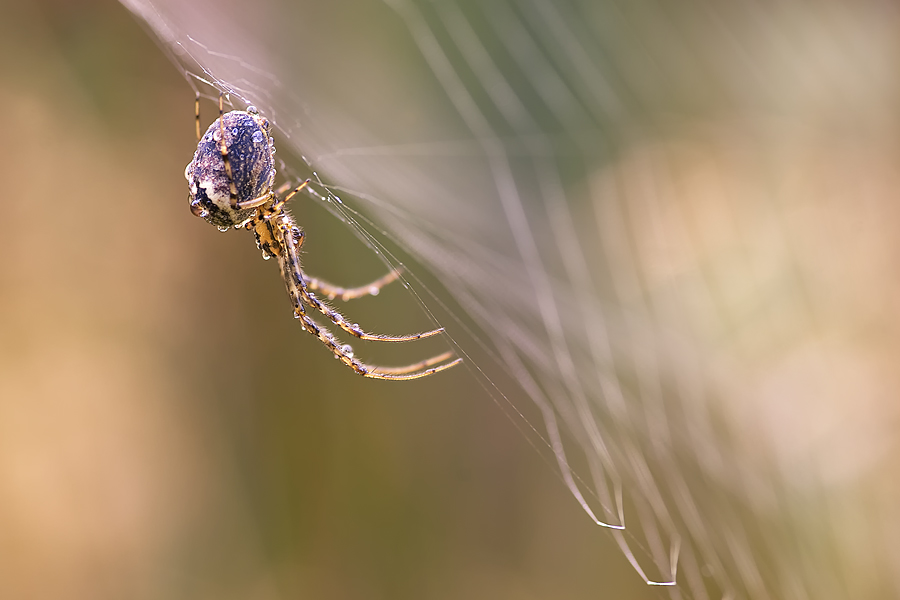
<point x="283" y="229"/>
<point x="413" y="371"/>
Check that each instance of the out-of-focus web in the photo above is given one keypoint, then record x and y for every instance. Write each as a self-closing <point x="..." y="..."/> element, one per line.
<point x="517" y="116"/>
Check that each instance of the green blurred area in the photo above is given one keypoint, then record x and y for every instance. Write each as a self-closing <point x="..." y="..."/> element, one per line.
<point x="168" y="431"/>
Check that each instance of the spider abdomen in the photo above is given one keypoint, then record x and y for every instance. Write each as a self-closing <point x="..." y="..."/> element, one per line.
<point x="250" y="154"/>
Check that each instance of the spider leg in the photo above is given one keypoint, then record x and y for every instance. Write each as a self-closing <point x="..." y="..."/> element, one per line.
<point x="354" y="329"/>
<point x="333" y="291"/>
<point x="261" y="200"/>
<point x="344" y="353"/>
<point x="283" y="188"/>
<point x="416" y="366"/>
<point x="253" y="202"/>
<point x="279" y="204"/>
<point x="330" y="290"/>
<point x="296" y="273"/>
<point x="323" y="335"/>
<point x="374" y="374"/>
<point x="223" y="149"/>
<point x="197" y="115"/>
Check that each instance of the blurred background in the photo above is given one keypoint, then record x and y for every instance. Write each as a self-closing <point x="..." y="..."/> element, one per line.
<point x="666" y="234"/>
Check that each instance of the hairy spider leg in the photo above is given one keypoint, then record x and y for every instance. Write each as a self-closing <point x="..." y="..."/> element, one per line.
<point x="270" y="243"/>
<point x="261" y="200"/>
<point x="197" y="115"/>
<point x="284" y="233"/>
<point x="279" y="204"/>
<point x="283" y="188"/>
<point x="401" y="374"/>
<point x="333" y="291"/>
<point x="275" y="243"/>
<point x="354" y="329"/>
<point x="336" y="317"/>
<point x="420" y="365"/>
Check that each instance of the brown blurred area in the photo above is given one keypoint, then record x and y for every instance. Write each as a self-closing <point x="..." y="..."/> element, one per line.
<point x="166" y="429"/>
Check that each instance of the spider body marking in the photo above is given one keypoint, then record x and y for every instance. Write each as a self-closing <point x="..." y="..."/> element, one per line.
<point x="231" y="178"/>
<point x="250" y="151"/>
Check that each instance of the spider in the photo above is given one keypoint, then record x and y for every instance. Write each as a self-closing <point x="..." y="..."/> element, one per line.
<point x="231" y="181"/>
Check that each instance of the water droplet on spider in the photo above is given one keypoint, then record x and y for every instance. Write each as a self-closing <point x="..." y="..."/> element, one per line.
<point x="347" y="350"/>
<point x="217" y="134"/>
<point x="252" y="110"/>
<point x="258" y="137"/>
<point x="373" y="291"/>
<point x="234" y="131"/>
<point x="222" y="228"/>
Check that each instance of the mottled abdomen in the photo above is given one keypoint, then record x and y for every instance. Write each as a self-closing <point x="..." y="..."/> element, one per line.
<point x="252" y="167"/>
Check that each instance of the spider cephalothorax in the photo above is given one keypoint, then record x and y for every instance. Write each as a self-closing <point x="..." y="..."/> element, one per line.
<point x="231" y="180"/>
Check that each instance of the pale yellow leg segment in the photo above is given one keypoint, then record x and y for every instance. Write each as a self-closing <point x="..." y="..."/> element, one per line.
<point x="372" y="289"/>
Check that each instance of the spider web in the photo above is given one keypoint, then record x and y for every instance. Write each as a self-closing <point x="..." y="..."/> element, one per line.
<point x="670" y="232"/>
